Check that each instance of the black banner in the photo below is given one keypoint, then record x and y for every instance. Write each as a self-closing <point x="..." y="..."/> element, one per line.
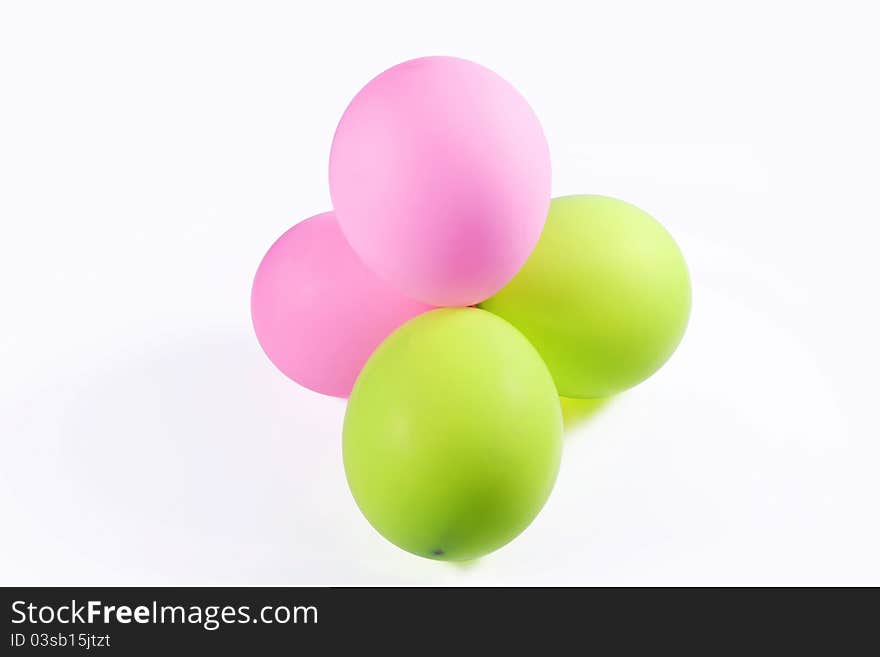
<point x="151" y="621"/>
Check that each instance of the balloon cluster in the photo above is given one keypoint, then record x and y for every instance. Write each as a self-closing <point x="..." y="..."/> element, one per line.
<point x="440" y="182"/>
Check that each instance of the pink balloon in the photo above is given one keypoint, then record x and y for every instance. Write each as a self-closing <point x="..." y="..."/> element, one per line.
<point x="318" y="311"/>
<point x="440" y="179"/>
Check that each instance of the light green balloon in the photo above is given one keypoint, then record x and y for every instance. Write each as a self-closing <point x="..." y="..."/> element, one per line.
<point x="453" y="435"/>
<point x="604" y="297"/>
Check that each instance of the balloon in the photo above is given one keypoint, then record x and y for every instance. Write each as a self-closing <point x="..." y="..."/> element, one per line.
<point x="317" y="310"/>
<point x="605" y="296"/>
<point x="440" y="179"/>
<point x="452" y="436"/>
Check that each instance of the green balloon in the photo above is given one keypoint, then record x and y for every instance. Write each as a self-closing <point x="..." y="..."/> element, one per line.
<point x="604" y="297"/>
<point x="453" y="435"/>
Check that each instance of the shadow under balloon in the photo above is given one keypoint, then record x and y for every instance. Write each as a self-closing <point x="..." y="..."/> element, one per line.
<point x="577" y="412"/>
<point x="197" y="462"/>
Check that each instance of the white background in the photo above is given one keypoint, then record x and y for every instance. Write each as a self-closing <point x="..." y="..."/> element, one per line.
<point x="150" y="152"/>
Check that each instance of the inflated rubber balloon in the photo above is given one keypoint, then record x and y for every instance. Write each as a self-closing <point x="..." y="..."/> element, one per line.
<point x="318" y="312"/>
<point x="440" y="179"/>
<point x="605" y="297"/>
<point x="452" y="435"/>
